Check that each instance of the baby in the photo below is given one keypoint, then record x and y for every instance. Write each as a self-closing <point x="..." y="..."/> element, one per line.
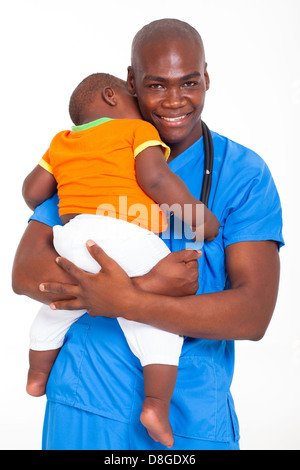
<point x="111" y="174"/>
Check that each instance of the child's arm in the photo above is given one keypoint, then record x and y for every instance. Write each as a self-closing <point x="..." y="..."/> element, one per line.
<point x="39" y="186"/>
<point x="165" y="187"/>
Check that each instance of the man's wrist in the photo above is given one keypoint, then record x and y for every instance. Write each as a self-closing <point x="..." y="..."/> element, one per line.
<point x="146" y="283"/>
<point x="131" y="304"/>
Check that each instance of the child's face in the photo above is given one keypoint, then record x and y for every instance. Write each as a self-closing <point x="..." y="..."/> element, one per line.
<point x="128" y="106"/>
<point x="171" y="81"/>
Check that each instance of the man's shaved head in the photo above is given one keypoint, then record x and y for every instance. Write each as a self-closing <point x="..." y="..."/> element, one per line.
<point x="168" y="74"/>
<point x="164" y="30"/>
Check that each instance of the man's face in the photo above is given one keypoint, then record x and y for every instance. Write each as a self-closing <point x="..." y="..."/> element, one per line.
<point x="170" y="80"/>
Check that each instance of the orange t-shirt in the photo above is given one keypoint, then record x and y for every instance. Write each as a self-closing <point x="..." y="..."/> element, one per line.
<point x="94" y="166"/>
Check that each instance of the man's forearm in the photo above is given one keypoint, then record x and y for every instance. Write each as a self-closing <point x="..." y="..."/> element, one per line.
<point x="243" y="312"/>
<point x="35" y="261"/>
<point x="225" y="315"/>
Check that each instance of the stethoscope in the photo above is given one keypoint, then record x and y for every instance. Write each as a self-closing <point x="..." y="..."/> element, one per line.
<point x="208" y="163"/>
<point x="208" y="168"/>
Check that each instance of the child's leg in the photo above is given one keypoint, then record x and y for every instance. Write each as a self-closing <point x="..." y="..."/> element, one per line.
<point x="41" y="363"/>
<point x="159" y="353"/>
<point x="159" y="384"/>
<point x="46" y="338"/>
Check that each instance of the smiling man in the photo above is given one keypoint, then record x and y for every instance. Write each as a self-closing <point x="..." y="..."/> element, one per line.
<point x="172" y="98"/>
<point x="95" y="390"/>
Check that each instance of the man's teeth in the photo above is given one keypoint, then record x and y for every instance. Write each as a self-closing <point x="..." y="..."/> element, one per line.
<point x="174" y="119"/>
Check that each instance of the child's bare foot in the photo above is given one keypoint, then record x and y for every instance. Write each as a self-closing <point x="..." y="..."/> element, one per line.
<point x="36" y="383"/>
<point x="41" y="363"/>
<point x="155" y="418"/>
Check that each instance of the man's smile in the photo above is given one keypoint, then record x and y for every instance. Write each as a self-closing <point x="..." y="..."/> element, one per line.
<point x="174" y="120"/>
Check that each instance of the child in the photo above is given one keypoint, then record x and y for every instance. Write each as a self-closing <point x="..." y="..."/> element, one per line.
<point x="109" y="168"/>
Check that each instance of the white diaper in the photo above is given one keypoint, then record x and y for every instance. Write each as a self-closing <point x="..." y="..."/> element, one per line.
<point x="137" y="251"/>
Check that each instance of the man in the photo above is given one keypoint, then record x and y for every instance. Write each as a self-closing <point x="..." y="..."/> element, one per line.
<point x="95" y="390"/>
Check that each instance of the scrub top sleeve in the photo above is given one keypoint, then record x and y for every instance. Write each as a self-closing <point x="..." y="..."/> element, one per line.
<point x="47" y="213"/>
<point x="257" y="215"/>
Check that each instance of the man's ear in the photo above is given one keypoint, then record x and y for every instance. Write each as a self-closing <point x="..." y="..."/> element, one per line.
<point x="207" y="79"/>
<point x="131" y="81"/>
<point x="109" y="96"/>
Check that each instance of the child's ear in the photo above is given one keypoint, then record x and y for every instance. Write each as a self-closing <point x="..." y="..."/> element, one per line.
<point x="109" y="96"/>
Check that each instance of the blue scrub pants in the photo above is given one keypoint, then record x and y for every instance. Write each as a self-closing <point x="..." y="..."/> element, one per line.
<point x="67" y="428"/>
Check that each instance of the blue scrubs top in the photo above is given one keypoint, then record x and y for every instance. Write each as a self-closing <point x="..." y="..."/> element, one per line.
<point x="96" y="371"/>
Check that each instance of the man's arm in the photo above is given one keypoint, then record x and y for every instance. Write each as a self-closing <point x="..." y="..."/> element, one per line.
<point x="35" y="259"/>
<point x="241" y="313"/>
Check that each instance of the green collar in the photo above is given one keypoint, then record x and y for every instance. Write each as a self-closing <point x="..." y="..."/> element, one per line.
<point x="89" y="125"/>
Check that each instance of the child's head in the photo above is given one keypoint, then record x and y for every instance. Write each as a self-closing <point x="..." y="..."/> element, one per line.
<point x="102" y="95"/>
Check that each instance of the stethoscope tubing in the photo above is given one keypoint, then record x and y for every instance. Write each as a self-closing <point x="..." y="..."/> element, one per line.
<point x="208" y="164"/>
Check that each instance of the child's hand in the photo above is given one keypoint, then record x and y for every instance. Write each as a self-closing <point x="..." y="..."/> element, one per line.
<point x="176" y="275"/>
<point x="209" y="230"/>
<point x="211" y="226"/>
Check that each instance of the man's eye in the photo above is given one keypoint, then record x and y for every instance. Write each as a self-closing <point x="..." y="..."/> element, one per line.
<point x="156" y="86"/>
<point x="190" y="84"/>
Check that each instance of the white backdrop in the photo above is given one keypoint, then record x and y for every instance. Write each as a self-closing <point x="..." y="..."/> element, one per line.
<point x="252" y="49"/>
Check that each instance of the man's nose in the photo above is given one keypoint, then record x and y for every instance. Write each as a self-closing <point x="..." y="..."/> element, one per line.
<point x="174" y="99"/>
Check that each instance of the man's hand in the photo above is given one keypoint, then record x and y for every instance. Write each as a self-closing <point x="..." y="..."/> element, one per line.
<point x="99" y="294"/>
<point x="109" y="292"/>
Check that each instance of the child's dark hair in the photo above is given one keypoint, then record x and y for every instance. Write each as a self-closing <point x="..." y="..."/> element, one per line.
<point x="85" y="93"/>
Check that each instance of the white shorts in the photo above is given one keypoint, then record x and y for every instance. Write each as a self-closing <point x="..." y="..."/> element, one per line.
<point x="137" y="251"/>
